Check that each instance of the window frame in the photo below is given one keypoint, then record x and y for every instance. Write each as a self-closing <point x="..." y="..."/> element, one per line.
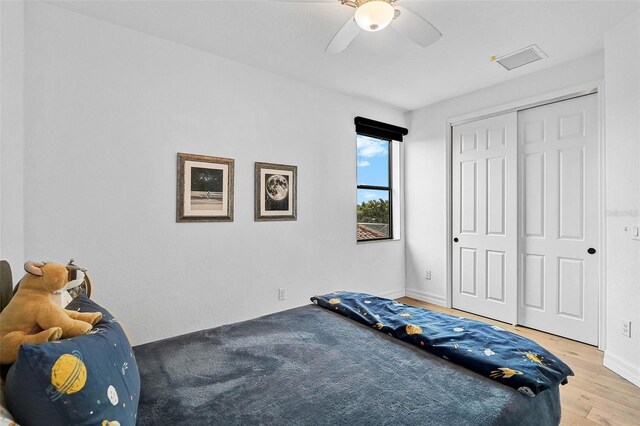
<point x="388" y="188"/>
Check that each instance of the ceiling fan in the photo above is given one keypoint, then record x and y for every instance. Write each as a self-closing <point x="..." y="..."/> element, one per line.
<point x="375" y="15"/>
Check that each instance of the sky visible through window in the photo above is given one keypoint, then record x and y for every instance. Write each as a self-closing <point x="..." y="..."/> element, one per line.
<point x="373" y="167"/>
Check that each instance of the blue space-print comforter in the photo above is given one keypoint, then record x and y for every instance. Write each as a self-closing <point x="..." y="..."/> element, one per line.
<point x="486" y="349"/>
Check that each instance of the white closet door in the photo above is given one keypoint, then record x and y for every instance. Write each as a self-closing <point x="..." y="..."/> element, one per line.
<point x="558" y="145"/>
<point x="485" y="228"/>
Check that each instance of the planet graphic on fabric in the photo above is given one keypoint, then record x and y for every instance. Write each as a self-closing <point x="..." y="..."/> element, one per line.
<point x="413" y="329"/>
<point x="68" y="375"/>
<point x="112" y="395"/>
<point x="527" y="391"/>
<point x="277" y="187"/>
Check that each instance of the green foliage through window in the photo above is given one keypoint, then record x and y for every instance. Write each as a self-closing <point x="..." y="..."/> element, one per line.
<point x="374" y="211"/>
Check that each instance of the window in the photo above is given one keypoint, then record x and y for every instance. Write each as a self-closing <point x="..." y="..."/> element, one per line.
<point x="375" y="178"/>
<point x="374" y="189"/>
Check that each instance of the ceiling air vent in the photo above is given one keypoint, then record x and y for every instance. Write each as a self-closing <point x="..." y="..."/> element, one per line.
<point x="520" y="57"/>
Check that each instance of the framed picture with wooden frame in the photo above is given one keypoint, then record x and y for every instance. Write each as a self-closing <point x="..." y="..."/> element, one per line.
<point x="276" y="192"/>
<point x="204" y="189"/>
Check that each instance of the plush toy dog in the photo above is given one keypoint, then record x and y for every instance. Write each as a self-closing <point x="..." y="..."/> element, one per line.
<point x="32" y="316"/>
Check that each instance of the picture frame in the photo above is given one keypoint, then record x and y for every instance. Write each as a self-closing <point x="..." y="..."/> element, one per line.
<point x="276" y="192"/>
<point x="204" y="188"/>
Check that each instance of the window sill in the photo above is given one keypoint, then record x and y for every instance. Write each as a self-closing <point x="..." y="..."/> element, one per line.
<point x="379" y="240"/>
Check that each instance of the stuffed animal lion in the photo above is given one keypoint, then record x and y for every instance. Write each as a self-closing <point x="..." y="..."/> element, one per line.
<point x="32" y="316"/>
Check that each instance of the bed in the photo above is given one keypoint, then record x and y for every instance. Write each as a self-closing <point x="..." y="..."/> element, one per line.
<point x="305" y="366"/>
<point x="310" y="366"/>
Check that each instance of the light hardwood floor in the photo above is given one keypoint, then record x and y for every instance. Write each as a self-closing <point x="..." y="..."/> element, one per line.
<point x="595" y="395"/>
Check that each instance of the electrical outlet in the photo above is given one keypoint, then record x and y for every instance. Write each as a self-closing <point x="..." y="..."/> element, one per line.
<point x="282" y="294"/>
<point x="625" y="327"/>
<point x="427" y="274"/>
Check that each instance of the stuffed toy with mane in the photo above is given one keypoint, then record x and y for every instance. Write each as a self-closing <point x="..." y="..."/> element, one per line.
<point x="33" y="316"/>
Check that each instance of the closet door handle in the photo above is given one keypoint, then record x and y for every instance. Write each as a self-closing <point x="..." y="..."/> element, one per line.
<point x="455" y="240"/>
<point x="591" y="250"/>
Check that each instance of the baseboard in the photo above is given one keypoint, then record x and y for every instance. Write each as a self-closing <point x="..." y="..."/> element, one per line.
<point x="394" y="294"/>
<point x="622" y="367"/>
<point x="426" y="297"/>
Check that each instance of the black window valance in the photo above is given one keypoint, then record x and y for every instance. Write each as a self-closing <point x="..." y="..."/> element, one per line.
<point x="378" y="129"/>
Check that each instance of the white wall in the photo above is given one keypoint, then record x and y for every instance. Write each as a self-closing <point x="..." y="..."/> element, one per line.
<point x="106" y="111"/>
<point x="425" y="173"/>
<point x="622" y="103"/>
<point x="11" y="134"/>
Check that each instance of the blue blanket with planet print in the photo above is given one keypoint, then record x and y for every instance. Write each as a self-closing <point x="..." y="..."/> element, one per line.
<point x="486" y="349"/>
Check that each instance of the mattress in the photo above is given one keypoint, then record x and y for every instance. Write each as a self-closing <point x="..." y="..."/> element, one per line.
<point x="309" y="366"/>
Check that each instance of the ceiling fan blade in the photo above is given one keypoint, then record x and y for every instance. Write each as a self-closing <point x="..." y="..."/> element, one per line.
<point x="344" y="37"/>
<point x="306" y="1"/>
<point x="415" y="27"/>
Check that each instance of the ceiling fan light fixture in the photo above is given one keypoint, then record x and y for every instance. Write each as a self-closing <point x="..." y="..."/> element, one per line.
<point x="374" y="15"/>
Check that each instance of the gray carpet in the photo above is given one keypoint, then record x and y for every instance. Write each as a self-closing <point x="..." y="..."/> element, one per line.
<point x="309" y="366"/>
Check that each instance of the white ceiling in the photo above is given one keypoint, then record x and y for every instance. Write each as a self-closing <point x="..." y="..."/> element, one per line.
<point x="290" y="38"/>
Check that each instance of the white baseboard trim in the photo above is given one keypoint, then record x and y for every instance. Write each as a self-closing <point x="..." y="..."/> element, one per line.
<point x="393" y="294"/>
<point x="622" y="367"/>
<point x="426" y="297"/>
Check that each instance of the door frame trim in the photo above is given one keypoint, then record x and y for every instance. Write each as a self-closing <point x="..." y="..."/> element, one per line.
<point x="571" y="92"/>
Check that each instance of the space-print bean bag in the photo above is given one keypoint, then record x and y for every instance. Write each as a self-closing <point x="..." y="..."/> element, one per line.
<point x="91" y="379"/>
